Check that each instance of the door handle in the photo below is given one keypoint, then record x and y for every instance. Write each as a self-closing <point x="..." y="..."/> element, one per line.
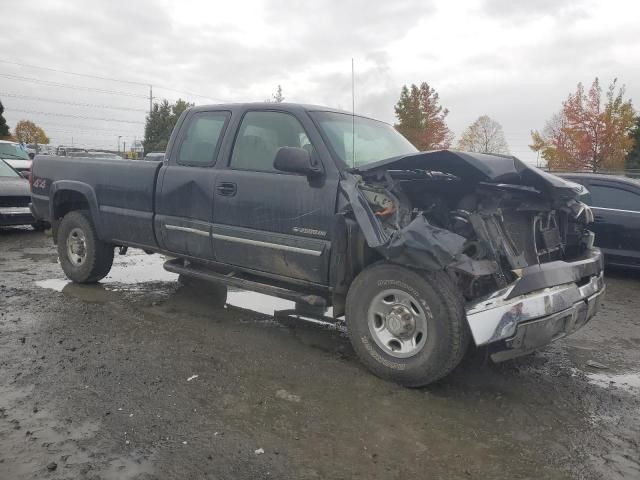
<point x="228" y="189"/>
<point x="598" y="219"/>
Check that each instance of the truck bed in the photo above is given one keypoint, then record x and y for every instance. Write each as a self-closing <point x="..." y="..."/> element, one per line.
<point x="120" y="194"/>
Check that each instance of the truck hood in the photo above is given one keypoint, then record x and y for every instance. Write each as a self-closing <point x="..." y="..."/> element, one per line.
<point x="14" y="187"/>
<point x="478" y="167"/>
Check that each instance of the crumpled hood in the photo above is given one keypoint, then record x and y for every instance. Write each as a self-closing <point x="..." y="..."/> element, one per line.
<point x="478" y="167"/>
<point x="14" y="187"/>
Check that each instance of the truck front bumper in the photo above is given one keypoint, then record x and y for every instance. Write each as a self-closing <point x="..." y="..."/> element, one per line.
<point x="10" y="216"/>
<point x="548" y="302"/>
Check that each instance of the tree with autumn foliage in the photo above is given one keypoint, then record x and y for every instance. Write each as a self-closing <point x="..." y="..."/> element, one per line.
<point x="485" y="135"/>
<point x="421" y="118"/>
<point x="633" y="156"/>
<point x="29" y="132"/>
<point x="587" y="133"/>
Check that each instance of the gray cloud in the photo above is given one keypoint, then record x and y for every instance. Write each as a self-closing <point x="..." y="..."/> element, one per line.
<point x="515" y="61"/>
<point x="563" y="10"/>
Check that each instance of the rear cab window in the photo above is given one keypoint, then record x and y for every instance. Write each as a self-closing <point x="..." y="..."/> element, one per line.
<point x="201" y="140"/>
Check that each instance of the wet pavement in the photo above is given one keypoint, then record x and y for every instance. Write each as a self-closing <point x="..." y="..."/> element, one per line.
<point x="140" y="378"/>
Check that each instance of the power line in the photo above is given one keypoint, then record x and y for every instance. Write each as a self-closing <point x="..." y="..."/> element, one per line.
<point x="66" y="85"/>
<point x="98" y="77"/>
<point x="84" y="135"/>
<point x="71" y="129"/>
<point x="74" y="73"/>
<point x="80" y="127"/>
<point x="42" y="99"/>
<point x="189" y="93"/>
<point x="76" y="116"/>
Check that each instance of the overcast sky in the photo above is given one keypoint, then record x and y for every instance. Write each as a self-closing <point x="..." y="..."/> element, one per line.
<point x="512" y="60"/>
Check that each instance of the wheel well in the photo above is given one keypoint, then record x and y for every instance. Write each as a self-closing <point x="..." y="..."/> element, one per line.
<point x="66" y="201"/>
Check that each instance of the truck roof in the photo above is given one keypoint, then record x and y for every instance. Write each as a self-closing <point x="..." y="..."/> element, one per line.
<point x="284" y="106"/>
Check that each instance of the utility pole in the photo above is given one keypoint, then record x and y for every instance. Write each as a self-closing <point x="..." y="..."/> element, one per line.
<point x="124" y="148"/>
<point x="150" y="99"/>
<point x="119" y="137"/>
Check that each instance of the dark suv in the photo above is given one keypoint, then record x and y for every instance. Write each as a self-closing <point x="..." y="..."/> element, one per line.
<point x="615" y="201"/>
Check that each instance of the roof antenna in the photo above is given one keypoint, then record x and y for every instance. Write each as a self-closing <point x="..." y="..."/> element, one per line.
<point x="353" y="116"/>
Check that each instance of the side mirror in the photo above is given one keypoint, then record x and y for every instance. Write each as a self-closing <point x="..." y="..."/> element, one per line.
<point x="296" y="160"/>
<point x="25" y="174"/>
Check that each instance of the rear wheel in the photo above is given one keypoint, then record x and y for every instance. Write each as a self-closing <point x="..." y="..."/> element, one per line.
<point x="83" y="256"/>
<point x="406" y="326"/>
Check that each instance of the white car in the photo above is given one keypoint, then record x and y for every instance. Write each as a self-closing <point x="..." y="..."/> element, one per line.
<point x="15" y="155"/>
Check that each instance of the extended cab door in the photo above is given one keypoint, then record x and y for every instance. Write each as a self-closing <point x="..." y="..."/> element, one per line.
<point x="616" y="209"/>
<point x="271" y="221"/>
<point x="185" y="201"/>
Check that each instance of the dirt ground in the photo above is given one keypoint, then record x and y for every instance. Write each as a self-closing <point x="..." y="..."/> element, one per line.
<point x="139" y="378"/>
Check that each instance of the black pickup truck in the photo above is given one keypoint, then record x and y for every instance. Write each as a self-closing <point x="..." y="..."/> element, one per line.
<point x="419" y="251"/>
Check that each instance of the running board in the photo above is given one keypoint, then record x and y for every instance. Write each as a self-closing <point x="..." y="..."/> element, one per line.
<point x="240" y="280"/>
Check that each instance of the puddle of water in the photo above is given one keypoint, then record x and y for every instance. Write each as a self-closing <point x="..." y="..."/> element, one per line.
<point x="625" y="381"/>
<point x="258" y="302"/>
<point x="128" y="269"/>
<point x="138" y="267"/>
<point x="56" y="284"/>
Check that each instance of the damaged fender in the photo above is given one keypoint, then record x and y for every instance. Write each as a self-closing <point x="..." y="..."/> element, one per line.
<point x="419" y="244"/>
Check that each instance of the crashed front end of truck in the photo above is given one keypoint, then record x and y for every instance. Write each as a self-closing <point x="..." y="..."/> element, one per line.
<point x="514" y="238"/>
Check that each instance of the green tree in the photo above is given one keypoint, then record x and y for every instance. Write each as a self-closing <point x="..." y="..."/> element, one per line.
<point x="485" y="135"/>
<point x="421" y="118"/>
<point x="160" y="123"/>
<point x="277" y="97"/>
<point x="633" y="157"/>
<point x="4" y="128"/>
<point x="29" y="132"/>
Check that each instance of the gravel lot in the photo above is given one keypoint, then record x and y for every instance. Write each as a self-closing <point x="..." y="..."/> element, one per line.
<point x="138" y="378"/>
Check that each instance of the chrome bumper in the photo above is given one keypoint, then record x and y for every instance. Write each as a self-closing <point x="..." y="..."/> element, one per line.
<point x="520" y="324"/>
<point x="10" y="211"/>
<point x="15" y="216"/>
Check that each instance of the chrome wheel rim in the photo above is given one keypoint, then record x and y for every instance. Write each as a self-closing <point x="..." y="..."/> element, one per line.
<point x="398" y="323"/>
<point x="76" y="247"/>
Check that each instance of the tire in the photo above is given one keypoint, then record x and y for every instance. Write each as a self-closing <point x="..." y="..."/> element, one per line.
<point x="214" y="293"/>
<point x="92" y="259"/>
<point x="406" y="326"/>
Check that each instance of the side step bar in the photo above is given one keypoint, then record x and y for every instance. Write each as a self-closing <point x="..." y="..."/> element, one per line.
<point x="236" y="279"/>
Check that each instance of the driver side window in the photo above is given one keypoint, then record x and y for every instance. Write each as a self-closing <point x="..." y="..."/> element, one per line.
<point x="260" y="136"/>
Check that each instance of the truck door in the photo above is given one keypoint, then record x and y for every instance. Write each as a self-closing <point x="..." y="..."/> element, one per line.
<point x="184" y="204"/>
<point x="616" y="209"/>
<point x="271" y="221"/>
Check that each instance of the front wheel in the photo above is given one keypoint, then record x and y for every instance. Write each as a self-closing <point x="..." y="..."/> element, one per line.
<point x="83" y="256"/>
<point x="406" y="326"/>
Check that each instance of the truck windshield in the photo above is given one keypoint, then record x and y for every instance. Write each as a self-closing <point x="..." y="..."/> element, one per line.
<point x="373" y="140"/>
<point x="7" y="171"/>
<point x="13" y="150"/>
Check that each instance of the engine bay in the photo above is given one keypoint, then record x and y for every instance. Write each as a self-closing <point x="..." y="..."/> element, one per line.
<point x="481" y="232"/>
